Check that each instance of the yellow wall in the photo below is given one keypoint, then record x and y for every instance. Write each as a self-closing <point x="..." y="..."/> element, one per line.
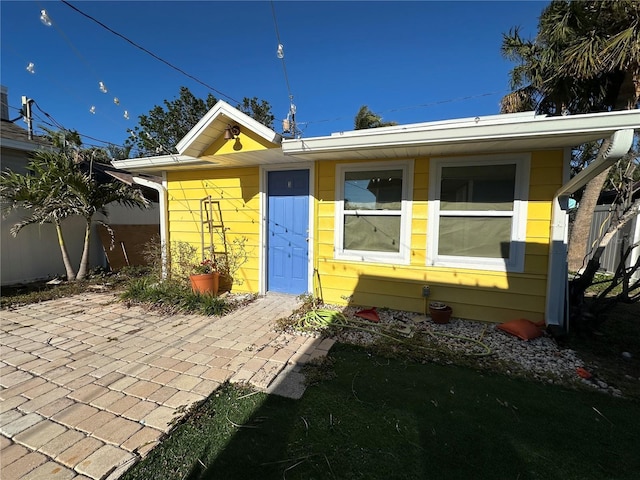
<point x="474" y="294"/>
<point x="247" y="141"/>
<point x="238" y="192"/>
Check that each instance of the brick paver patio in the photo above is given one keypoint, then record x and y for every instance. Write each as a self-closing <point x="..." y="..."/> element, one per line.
<point x="89" y="385"/>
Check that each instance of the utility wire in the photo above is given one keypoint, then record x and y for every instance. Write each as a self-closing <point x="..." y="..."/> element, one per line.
<point x="284" y="66"/>
<point x="53" y="81"/>
<point x="72" y="46"/>
<point x="57" y="124"/>
<point x="148" y="52"/>
<point x="410" y="107"/>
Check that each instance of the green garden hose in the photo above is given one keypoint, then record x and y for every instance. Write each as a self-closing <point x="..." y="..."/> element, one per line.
<point x="320" y="319"/>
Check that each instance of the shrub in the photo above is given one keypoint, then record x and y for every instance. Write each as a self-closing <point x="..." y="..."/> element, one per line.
<point x="173" y="297"/>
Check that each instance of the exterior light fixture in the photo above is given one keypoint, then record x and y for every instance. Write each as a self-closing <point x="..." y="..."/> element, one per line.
<point x="230" y="133"/>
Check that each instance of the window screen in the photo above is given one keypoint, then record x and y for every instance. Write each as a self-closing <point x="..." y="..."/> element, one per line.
<point x="476" y="210"/>
<point x="372" y="212"/>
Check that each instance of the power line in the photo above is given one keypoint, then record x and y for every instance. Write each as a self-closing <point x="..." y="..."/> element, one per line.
<point x="410" y="107"/>
<point x="58" y="125"/>
<point x="71" y="45"/>
<point x="280" y="50"/>
<point x="125" y="38"/>
<point x="52" y="24"/>
<point x="293" y="125"/>
<point x="288" y="125"/>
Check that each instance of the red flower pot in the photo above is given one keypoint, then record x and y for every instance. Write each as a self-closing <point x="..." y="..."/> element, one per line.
<point x="441" y="313"/>
<point x="207" y="283"/>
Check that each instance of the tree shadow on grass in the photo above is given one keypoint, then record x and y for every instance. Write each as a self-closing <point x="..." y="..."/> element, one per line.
<point x="387" y="418"/>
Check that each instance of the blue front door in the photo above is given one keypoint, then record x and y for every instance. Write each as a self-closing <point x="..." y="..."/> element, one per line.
<point x="287" y="237"/>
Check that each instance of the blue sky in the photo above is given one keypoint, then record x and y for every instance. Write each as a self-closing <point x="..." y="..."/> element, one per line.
<point x="408" y="61"/>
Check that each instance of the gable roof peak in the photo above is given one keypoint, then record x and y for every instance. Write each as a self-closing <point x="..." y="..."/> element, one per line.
<point x="214" y="123"/>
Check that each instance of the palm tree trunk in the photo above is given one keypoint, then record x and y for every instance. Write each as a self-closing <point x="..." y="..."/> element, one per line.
<point x="84" y="262"/>
<point x="626" y="99"/>
<point x="582" y="223"/>
<point x="630" y="88"/>
<point x="71" y="275"/>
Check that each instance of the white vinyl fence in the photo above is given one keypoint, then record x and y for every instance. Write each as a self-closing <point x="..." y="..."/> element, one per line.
<point x="628" y="235"/>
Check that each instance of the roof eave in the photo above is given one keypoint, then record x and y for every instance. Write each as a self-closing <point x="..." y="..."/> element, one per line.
<point x="155" y="165"/>
<point x="159" y="163"/>
<point x="24" y="146"/>
<point x="475" y="131"/>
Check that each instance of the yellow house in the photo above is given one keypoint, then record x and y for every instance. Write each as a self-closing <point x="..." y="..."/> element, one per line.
<point x="469" y="212"/>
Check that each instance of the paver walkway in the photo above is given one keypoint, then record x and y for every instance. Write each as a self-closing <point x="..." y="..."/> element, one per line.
<point x="89" y="385"/>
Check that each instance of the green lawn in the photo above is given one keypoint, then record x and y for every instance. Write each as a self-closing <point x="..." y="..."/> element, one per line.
<point x="371" y="417"/>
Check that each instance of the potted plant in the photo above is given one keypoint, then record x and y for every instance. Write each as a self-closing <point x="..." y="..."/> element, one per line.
<point x="440" y="312"/>
<point x="230" y="262"/>
<point x="205" y="277"/>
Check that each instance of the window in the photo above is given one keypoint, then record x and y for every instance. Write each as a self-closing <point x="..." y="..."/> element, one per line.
<point x="373" y="212"/>
<point x="478" y="211"/>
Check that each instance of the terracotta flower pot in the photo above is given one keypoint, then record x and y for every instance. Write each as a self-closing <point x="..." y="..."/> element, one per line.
<point x="207" y="283"/>
<point x="440" y="313"/>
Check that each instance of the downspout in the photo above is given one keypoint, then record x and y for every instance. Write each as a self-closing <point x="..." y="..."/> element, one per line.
<point x="557" y="275"/>
<point x="635" y="237"/>
<point x="164" y="216"/>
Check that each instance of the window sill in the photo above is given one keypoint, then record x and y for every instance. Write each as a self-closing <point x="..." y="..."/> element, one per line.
<point x="371" y="257"/>
<point x="493" y="265"/>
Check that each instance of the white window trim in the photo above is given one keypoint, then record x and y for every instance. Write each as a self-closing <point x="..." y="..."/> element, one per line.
<point x="515" y="262"/>
<point x="402" y="257"/>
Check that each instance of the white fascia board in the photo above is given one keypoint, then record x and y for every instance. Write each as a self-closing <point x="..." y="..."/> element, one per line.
<point x="154" y="163"/>
<point x="222" y="108"/>
<point x="492" y="128"/>
<point x="496" y="119"/>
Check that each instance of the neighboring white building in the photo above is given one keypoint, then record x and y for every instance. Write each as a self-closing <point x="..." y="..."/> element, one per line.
<point x="34" y="254"/>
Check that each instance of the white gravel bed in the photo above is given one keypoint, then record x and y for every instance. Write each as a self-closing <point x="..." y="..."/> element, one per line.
<point x="482" y="344"/>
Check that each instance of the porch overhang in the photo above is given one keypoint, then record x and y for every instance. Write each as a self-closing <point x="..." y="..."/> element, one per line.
<point x="167" y="163"/>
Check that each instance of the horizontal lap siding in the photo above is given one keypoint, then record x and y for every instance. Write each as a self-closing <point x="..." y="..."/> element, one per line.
<point x="237" y="190"/>
<point x="474" y="294"/>
<point x="545" y="179"/>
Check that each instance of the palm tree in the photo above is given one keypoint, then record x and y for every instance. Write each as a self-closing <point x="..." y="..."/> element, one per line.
<point x="607" y="44"/>
<point x="585" y="58"/>
<point x="56" y="188"/>
<point x="39" y="193"/>
<point x="64" y="140"/>
<point x="117" y="152"/>
<point x="608" y="49"/>
<point x="88" y="197"/>
<point x="365" y="118"/>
